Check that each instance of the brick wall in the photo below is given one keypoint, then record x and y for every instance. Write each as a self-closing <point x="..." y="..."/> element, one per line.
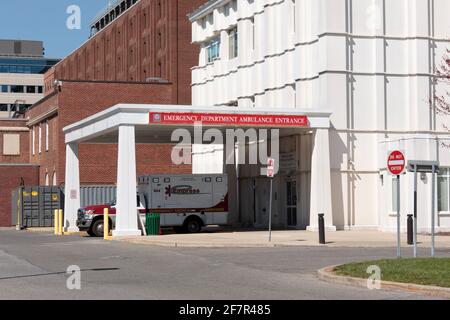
<point x="78" y="100"/>
<point x="151" y="40"/>
<point x="10" y="177"/>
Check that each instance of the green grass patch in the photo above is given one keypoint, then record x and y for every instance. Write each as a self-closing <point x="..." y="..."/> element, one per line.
<point x="431" y="272"/>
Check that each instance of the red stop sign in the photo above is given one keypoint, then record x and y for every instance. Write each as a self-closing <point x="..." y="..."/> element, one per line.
<point x="396" y="163"/>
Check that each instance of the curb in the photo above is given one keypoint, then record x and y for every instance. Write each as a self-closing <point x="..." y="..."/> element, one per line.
<point x="327" y="274"/>
<point x="39" y="230"/>
<point x="52" y="230"/>
<point x="202" y="245"/>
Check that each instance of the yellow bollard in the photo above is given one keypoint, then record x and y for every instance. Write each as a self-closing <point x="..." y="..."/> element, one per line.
<point x="61" y="222"/>
<point x="56" y="222"/>
<point x="19" y="222"/>
<point x="106" y="224"/>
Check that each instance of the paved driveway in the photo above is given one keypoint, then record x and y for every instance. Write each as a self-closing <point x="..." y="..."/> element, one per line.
<point x="33" y="265"/>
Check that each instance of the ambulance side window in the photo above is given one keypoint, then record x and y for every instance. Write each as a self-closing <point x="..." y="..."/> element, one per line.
<point x="147" y="207"/>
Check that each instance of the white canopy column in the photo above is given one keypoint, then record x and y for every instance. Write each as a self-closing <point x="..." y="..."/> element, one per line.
<point x="72" y="188"/>
<point x="321" y="196"/>
<point x="127" y="218"/>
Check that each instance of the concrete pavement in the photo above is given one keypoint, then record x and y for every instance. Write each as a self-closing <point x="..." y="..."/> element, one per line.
<point x="346" y="239"/>
<point x="33" y="266"/>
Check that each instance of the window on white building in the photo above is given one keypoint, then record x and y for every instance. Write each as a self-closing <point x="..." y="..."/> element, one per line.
<point x="230" y="6"/>
<point x="227" y="9"/>
<point x="40" y="139"/>
<point x="233" y="43"/>
<point x="394" y="194"/>
<point x="444" y="190"/>
<point x="203" y="23"/>
<point x="213" y="49"/>
<point x="293" y="9"/>
<point x="252" y="20"/>
<point x="47" y="133"/>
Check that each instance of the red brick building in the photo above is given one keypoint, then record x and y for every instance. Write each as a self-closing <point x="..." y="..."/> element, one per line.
<point x="14" y="163"/>
<point x="144" y="56"/>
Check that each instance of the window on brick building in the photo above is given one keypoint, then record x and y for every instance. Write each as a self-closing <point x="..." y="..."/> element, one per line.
<point x="159" y="40"/>
<point x="33" y="141"/>
<point x="159" y="70"/>
<point x="40" y="139"/>
<point x="55" y="182"/>
<point x="158" y="10"/>
<point x="11" y="144"/>
<point x="47" y="132"/>
<point x="144" y="21"/>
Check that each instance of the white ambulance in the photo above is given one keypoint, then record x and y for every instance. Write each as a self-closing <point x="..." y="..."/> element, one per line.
<point x="185" y="202"/>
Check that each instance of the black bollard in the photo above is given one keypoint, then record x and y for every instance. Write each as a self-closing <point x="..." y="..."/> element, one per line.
<point x="410" y="229"/>
<point x="322" y="228"/>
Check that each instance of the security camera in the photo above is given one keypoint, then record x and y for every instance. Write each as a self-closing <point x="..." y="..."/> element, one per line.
<point x="57" y="83"/>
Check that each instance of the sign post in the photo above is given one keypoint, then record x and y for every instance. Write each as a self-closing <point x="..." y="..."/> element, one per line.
<point x="271" y="175"/>
<point x="433" y="212"/>
<point x="415" y="211"/>
<point x="425" y="167"/>
<point x="396" y="164"/>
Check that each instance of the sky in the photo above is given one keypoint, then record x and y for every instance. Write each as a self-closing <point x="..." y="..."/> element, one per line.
<point x="45" y="20"/>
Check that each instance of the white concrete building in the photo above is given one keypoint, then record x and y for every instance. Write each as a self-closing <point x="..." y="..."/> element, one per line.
<point x="22" y="69"/>
<point x="371" y="63"/>
<point x="19" y="91"/>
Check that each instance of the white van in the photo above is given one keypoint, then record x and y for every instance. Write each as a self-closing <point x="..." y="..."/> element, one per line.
<point x="185" y="202"/>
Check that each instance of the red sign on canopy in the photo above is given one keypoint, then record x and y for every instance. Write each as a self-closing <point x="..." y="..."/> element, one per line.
<point x="181" y="118"/>
<point x="396" y="163"/>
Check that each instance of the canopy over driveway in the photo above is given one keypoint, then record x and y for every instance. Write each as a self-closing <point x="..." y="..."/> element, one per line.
<point x="131" y="124"/>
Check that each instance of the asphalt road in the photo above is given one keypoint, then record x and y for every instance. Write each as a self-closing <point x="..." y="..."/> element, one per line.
<point x="33" y="266"/>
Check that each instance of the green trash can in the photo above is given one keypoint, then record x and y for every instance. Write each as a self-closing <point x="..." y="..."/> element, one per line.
<point x="153" y="223"/>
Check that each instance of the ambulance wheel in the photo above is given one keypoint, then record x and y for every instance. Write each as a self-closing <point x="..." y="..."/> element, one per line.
<point x="193" y="225"/>
<point x="90" y="233"/>
<point x="97" y="228"/>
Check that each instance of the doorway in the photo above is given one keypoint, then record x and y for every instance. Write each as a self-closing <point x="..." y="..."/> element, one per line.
<point x="291" y="204"/>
